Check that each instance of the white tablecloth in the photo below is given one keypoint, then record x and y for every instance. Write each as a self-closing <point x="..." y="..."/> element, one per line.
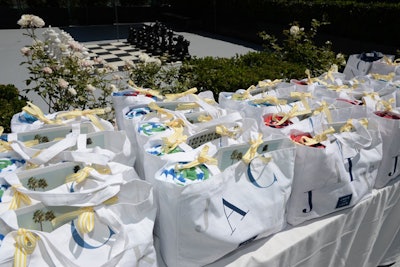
<point x="365" y="235"/>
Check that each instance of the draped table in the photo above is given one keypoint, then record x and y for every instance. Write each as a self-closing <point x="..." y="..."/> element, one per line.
<point x="366" y="235"/>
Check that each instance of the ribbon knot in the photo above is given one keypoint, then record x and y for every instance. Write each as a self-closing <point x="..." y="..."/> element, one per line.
<point x="38" y="113"/>
<point x="390" y="62"/>
<point x="244" y="95"/>
<point x="4" y="145"/>
<point x="224" y="131"/>
<point x="372" y="95"/>
<point x="329" y="74"/>
<point x="176" y="123"/>
<point x="160" y="111"/>
<point x="324" y="108"/>
<point x="18" y="197"/>
<point x="202" y="158"/>
<point x="268" y="83"/>
<point x="143" y="91"/>
<point x="302" y="96"/>
<point x="172" y="141"/>
<point x="85" y="222"/>
<point x="172" y="97"/>
<point x="387" y="105"/>
<point x="204" y="118"/>
<point x="318" y="138"/>
<point x="79" y="176"/>
<point x="383" y="77"/>
<point x="287" y="116"/>
<point x="25" y="244"/>
<point x="252" y="151"/>
<point x="89" y="113"/>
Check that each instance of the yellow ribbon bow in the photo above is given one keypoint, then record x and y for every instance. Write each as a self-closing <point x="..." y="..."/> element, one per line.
<point x="270" y="99"/>
<point x="172" y="141"/>
<point x="18" y="197"/>
<point x="25" y="244"/>
<point x="146" y="91"/>
<point x="348" y="127"/>
<point x="160" y="111"/>
<point x="387" y="105"/>
<point x="204" y="118"/>
<point x="176" y="123"/>
<point x="79" y="176"/>
<point x="85" y="222"/>
<point x="309" y="79"/>
<point x="252" y="151"/>
<point x="329" y="74"/>
<point x="318" y="138"/>
<point x="172" y="97"/>
<point x="302" y="96"/>
<point x="372" y="95"/>
<point x="37" y="113"/>
<point x="89" y="113"/>
<point x="287" y="116"/>
<point x="324" y="108"/>
<point x="265" y="84"/>
<point x="4" y="146"/>
<point x="390" y="62"/>
<point x="383" y="77"/>
<point x="222" y="130"/>
<point x="203" y="158"/>
<point x="244" y="95"/>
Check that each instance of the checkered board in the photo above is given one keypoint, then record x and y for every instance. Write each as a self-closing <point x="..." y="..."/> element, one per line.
<point x="115" y="53"/>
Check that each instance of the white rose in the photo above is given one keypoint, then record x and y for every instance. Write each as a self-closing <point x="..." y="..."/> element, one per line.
<point x="72" y="91"/>
<point x="25" y="51"/>
<point x="47" y="70"/>
<point x="30" y="21"/>
<point x="62" y="83"/>
<point x="90" y="88"/>
<point x="294" y="30"/>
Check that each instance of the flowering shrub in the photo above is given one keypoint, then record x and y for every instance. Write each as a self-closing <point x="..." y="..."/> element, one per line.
<point x="299" y="47"/>
<point x="61" y="72"/>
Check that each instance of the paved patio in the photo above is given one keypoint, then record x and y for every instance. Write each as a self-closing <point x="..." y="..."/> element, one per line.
<point x="11" y="41"/>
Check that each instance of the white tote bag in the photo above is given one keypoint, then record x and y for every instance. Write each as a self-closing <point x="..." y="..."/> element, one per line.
<point x="65" y="184"/>
<point x="116" y="233"/>
<point x="32" y="118"/>
<point x="389" y="127"/>
<point x="126" y="98"/>
<point x="333" y="174"/>
<point x="202" y="220"/>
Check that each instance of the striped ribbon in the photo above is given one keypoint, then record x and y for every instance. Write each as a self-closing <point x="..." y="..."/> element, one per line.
<point x="25" y="244"/>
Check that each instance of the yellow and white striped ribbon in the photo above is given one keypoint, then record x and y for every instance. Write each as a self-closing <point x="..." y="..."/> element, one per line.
<point x="325" y="109"/>
<point x="172" y="141"/>
<point x="79" y="176"/>
<point x="143" y="91"/>
<point x="18" y="197"/>
<point x="318" y="138"/>
<point x="85" y="222"/>
<point x="252" y="151"/>
<point x="89" y="113"/>
<point x="38" y="113"/>
<point x="160" y="111"/>
<point x="25" y="244"/>
<point x="172" y="97"/>
<point x="203" y="158"/>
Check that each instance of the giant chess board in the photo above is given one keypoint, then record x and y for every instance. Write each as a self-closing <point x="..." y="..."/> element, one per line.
<point x="115" y="53"/>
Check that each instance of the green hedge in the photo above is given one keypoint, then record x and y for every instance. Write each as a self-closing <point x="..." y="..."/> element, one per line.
<point x="11" y="103"/>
